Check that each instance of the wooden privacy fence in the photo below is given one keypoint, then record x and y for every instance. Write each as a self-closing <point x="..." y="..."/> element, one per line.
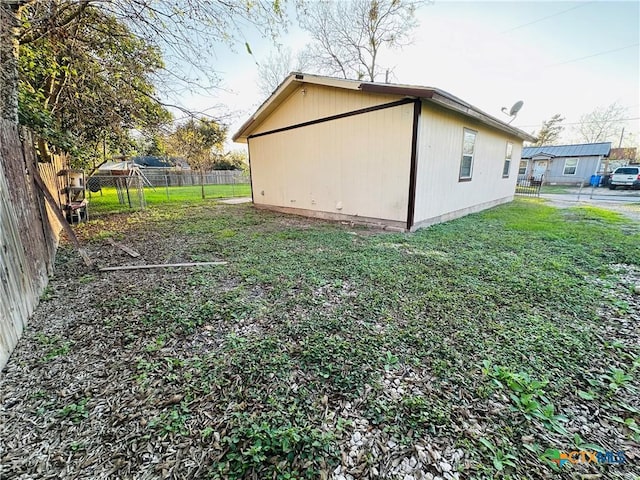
<point x="29" y="233"/>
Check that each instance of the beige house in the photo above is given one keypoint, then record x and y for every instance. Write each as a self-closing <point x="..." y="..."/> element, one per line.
<point x="402" y="156"/>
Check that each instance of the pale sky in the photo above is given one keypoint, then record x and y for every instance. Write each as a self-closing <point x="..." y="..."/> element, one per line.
<point x="558" y="57"/>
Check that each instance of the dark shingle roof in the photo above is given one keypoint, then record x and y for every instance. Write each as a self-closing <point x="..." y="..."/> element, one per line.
<point x="581" y="150"/>
<point x="151" y="161"/>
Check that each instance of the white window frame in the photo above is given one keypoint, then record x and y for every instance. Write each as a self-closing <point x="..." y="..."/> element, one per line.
<point x="520" y="167"/>
<point x="461" y="178"/>
<point x="575" y="167"/>
<point x="507" y="160"/>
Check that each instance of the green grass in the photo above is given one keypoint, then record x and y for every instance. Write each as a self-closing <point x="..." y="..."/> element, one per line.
<point x="557" y="189"/>
<point x="499" y="307"/>
<point x="107" y="202"/>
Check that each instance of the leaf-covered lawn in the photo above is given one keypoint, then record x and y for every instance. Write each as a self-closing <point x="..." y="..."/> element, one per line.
<point x="467" y="350"/>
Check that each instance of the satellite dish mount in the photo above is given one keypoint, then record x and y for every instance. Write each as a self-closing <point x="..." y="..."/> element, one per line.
<point x="513" y="112"/>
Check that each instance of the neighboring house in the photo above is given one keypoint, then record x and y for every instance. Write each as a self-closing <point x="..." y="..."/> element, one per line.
<point x="117" y="168"/>
<point x="564" y="164"/>
<point x="402" y="156"/>
<point x="150" y="161"/>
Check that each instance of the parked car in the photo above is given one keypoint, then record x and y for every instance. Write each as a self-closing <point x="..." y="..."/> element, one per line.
<point x="625" y="177"/>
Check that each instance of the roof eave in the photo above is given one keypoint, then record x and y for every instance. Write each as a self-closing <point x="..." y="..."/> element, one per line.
<point x="240" y="136"/>
<point x="283" y="90"/>
<point x="434" y="95"/>
<point x="418" y="92"/>
<point x="448" y="101"/>
<point x="453" y="103"/>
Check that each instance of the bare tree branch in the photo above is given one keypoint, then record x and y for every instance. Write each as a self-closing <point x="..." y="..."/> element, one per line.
<point x="602" y="125"/>
<point x="348" y="35"/>
<point x="277" y="66"/>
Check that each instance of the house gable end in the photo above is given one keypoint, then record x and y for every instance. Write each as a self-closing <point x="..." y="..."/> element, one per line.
<point x="303" y="98"/>
<point x="309" y="102"/>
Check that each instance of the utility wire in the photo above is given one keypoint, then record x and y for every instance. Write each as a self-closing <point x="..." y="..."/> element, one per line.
<point x="594" y="55"/>
<point x="545" y="18"/>
<point x="580" y="123"/>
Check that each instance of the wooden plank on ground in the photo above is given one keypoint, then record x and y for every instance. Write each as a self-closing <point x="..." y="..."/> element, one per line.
<point x="124" y="248"/>
<point x="160" y="265"/>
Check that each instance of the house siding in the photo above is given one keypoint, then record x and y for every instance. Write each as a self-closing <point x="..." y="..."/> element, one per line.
<point x="587" y="166"/>
<point x="311" y="102"/>
<point x="353" y="166"/>
<point x="439" y="193"/>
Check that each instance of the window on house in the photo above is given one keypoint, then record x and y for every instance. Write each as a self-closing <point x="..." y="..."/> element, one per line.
<point x="570" y="166"/>
<point x="507" y="160"/>
<point x="468" y="146"/>
<point x="523" y="167"/>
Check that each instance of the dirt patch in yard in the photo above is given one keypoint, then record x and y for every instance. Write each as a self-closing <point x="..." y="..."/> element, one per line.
<point x="468" y="350"/>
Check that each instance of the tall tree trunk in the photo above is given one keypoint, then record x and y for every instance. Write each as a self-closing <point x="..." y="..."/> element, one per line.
<point x="9" y="60"/>
<point x="202" y="181"/>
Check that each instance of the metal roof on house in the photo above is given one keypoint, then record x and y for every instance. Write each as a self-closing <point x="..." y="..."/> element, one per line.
<point x="427" y="94"/>
<point x="580" y="150"/>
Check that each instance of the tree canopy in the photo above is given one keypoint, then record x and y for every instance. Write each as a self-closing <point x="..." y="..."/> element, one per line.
<point x="233" y="160"/>
<point x="604" y="124"/>
<point x="86" y="82"/>
<point x="200" y="142"/>
<point x="78" y="71"/>
<point x="277" y="66"/>
<point x="550" y="131"/>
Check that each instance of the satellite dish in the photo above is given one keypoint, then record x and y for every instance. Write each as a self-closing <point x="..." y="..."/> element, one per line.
<point x="514" y="110"/>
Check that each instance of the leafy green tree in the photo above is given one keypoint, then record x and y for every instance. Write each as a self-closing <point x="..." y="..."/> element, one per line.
<point x="181" y="29"/>
<point x="154" y="145"/>
<point x="199" y="142"/>
<point x="88" y="82"/>
<point x="9" y="60"/>
<point x="550" y="131"/>
<point x="234" y="160"/>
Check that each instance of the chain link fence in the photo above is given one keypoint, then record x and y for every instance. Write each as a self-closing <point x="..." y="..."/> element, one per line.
<point x="116" y="191"/>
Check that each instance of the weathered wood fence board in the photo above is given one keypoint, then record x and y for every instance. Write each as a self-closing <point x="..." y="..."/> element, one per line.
<point x="28" y="234"/>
